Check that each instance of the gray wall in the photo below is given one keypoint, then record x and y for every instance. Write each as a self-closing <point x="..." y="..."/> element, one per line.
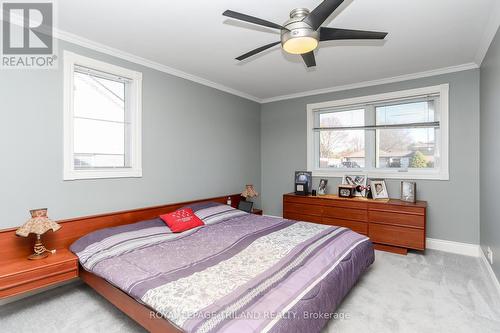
<point x="453" y="205"/>
<point x="200" y="142"/>
<point x="490" y="148"/>
<point x="197" y="142"/>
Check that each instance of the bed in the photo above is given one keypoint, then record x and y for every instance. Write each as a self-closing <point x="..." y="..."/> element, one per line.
<point x="239" y="272"/>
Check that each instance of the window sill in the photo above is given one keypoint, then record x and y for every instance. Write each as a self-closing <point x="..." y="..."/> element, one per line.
<point x="383" y="174"/>
<point x="102" y="174"/>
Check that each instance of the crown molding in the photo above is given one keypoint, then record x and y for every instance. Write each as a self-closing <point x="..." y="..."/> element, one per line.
<point x="77" y="40"/>
<point x="489" y="33"/>
<point x="74" y="39"/>
<point x="87" y="43"/>
<point x="406" y="77"/>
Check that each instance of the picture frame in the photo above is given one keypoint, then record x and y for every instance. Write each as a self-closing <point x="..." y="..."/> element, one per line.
<point x="322" y="186"/>
<point x="303" y="177"/>
<point x="357" y="180"/>
<point x="302" y="188"/>
<point x="346" y="191"/>
<point x="379" y="189"/>
<point x="409" y="191"/>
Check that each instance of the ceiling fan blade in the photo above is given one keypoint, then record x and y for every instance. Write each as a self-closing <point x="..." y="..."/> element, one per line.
<point x="339" y="34"/>
<point x="257" y="50"/>
<point x="309" y="59"/>
<point x="251" y="19"/>
<point x="316" y="18"/>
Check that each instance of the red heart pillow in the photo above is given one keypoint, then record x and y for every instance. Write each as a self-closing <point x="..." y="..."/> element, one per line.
<point x="181" y="220"/>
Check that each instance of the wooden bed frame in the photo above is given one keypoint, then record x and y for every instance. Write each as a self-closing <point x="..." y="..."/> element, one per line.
<point x="13" y="248"/>
<point x="143" y="315"/>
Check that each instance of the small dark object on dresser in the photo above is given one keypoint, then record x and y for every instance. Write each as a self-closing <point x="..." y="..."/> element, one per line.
<point x="245" y="206"/>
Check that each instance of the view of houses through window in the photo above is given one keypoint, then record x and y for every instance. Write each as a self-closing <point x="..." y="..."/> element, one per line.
<point x="397" y="135"/>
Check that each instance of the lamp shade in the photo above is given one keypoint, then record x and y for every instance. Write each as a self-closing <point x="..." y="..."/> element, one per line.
<point x="249" y="192"/>
<point x="38" y="224"/>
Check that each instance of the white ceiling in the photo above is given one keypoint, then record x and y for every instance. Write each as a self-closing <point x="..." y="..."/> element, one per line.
<point x="193" y="37"/>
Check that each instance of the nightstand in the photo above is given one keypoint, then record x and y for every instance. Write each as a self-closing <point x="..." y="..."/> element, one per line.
<point x="257" y="211"/>
<point x="23" y="275"/>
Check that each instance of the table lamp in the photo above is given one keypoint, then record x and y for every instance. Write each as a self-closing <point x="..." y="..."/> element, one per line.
<point x="249" y="192"/>
<point x="38" y="224"/>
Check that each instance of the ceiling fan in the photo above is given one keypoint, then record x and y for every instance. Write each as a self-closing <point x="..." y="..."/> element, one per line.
<point x="302" y="33"/>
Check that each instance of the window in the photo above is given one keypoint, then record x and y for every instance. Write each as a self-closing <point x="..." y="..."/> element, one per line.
<point x="397" y="135"/>
<point x="102" y="120"/>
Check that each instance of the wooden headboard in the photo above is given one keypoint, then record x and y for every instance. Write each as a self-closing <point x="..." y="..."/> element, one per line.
<point x="13" y="247"/>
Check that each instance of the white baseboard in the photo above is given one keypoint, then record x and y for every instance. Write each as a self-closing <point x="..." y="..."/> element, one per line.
<point x="490" y="270"/>
<point x="466" y="249"/>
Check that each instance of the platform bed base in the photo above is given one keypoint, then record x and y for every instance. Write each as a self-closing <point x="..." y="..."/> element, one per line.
<point x="143" y="315"/>
<point x="390" y="248"/>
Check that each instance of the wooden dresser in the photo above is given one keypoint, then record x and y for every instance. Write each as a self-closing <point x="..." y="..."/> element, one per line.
<point x="392" y="225"/>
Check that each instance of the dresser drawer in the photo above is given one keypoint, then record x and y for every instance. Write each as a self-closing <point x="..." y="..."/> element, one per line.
<point x="40" y="277"/>
<point x="347" y="203"/>
<point x="359" y="227"/>
<point x="302" y="217"/>
<point x="303" y="209"/>
<point x="308" y="200"/>
<point x="397" y="236"/>
<point x="346" y="213"/>
<point x="393" y="225"/>
<point x="405" y="209"/>
<point x="398" y="219"/>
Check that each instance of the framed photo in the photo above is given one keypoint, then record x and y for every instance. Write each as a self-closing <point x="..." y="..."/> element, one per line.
<point x="379" y="189"/>
<point x="303" y="177"/>
<point x="409" y="191"/>
<point x="357" y="180"/>
<point x="322" y="186"/>
<point x="346" y="191"/>
<point x="301" y="188"/>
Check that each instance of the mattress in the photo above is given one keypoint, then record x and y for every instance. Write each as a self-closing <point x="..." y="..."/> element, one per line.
<point x="240" y="273"/>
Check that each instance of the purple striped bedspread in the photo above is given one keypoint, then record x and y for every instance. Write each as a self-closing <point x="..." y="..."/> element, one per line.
<point x="247" y="273"/>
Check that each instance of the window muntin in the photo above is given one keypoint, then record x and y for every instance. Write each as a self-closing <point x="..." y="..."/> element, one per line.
<point x="398" y="135"/>
<point x="102" y="120"/>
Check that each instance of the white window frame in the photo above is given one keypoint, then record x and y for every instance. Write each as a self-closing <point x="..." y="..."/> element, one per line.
<point x="135" y="104"/>
<point x="441" y="173"/>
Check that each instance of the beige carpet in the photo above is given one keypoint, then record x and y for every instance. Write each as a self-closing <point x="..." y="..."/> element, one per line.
<point x="438" y="292"/>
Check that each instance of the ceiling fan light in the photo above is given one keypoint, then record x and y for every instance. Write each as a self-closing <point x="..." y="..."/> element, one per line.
<point x="300" y="45"/>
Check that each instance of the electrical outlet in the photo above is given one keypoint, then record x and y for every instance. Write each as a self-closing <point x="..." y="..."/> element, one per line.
<point x="489" y="254"/>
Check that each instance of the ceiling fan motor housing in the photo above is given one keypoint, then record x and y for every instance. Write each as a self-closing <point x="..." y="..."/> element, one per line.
<point x="298" y="30"/>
